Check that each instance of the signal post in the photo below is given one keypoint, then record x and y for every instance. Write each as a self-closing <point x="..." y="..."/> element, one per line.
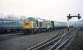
<point x="70" y="17"/>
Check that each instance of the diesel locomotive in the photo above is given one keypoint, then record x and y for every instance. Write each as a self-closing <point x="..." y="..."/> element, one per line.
<point x="28" y="25"/>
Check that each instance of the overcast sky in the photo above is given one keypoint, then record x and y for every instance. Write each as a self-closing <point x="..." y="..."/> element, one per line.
<point x="50" y="9"/>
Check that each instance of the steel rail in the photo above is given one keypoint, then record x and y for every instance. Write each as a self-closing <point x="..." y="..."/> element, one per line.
<point x="42" y="43"/>
<point x="58" y="42"/>
<point x="63" y="44"/>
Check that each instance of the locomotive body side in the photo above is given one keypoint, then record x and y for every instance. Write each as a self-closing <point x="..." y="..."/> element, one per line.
<point x="45" y="26"/>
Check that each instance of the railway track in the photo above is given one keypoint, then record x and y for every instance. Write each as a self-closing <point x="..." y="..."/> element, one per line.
<point x="58" y="42"/>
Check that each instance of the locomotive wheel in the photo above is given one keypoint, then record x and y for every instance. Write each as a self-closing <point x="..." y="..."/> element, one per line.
<point x="29" y="31"/>
<point x="32" y="31"/>
<point x="26" y="32"/>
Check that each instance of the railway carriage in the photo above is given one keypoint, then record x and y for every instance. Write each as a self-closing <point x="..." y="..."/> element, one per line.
<point x="10" y="25"/>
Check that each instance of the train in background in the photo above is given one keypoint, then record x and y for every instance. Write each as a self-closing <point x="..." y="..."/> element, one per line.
<point x="10" y="25"/>
<point x="29" y="25"/>
<point x="78" y="25"/>
<point x="60" y="25"/>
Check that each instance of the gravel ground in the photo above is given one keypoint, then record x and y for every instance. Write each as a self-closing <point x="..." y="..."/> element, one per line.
<point x="80" y="35"/>
<point x="25" y="41"/>
<point x="77" y="44"/>
<point x="9" y="36"/>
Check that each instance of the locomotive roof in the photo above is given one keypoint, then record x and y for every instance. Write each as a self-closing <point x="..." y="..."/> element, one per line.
<point x="5" y="19"/>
